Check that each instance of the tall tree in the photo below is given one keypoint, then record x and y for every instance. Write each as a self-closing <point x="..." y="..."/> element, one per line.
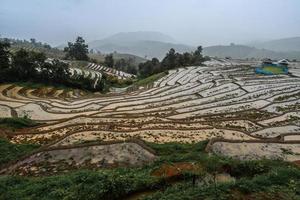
<point x="150" y="67"/>
<point x="186" y="58"/>
<point x="60" y="71"/>
<point x="78" y="50"/>
<point x="198" y="58"/>
<point x="4" y="55"/>
<point x="24" y="65"/>
<point x="121" y="64"/>
<point x="132" y="69"/>
<point x="172" y="60"/>
<point x="169" y="61"/>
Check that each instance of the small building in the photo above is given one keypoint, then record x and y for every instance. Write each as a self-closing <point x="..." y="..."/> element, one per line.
<point x="268" y="67"/>
<point x="267" y="61"/>
<point x="283" y="62"/>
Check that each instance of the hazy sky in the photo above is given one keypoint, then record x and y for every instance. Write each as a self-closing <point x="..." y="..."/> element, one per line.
<point x="205" y="22"/>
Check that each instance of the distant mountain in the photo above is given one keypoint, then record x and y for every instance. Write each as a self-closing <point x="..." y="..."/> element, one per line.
<point x="281" y="45"/>
<point x="147" y="44"/>
<point x="143" y="44"/>
<point x="126" y="37"/>
<point x="243" y="52"/>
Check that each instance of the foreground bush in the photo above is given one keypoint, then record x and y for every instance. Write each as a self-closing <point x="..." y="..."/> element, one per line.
<point x="261" y="179"/>
<point x="16" y="122"/>
<point x="10" y="151"/>
<point x="31" y="66"/>
<point x="88" y="185"/>
<point x="279" y="184"/>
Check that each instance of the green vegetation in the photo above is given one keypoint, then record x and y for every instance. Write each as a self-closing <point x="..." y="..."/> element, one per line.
<point x="10" y="151"/>
<point x="150" y="79"/>
<point x="172" y="60"/>
<point x="16" y="123"/>
<point x="278" y="184"/>
<point x="288" y="96"/>
<point x="129" y="58"/>
<point x="78" y="50"/>
<point x="113" y="81"/>
<point x="254" y="179"/>
<point x="126" y="65"/>
<point x="293" y="107"/>
<point x="33" y="45"/>
<point x="4" y="58"/>
<point x="89" y="185"/>
<point x="109" y="61"/>
<point x="31" y="66"/>
<point x="177" y="152"/>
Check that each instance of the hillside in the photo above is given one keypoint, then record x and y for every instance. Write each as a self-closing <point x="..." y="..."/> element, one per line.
<point x="283" y="45"/>
<point x="143" y="44"/>
<point x="215" y="130"/>
<point x="153" y="44"/>
<point x="37" y="46"/>
<point x="58" y="53"/>
<point x="243" y="52"/>
<point x="117" y="56"/>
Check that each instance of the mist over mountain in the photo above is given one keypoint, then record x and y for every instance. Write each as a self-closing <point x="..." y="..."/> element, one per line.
<point x="128" y="37"/>
<point x="243" y="52"/>
<point x="149" y="44"/>
<point x="275" y="49"/>
<point x="144" y="44"/>
<point x="284" y="45"/>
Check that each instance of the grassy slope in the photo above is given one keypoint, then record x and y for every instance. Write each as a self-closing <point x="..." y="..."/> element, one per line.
<point x="274" y="178"/>
<point x="134" y="83"/>
<point x="16" y="123"/>
<point x="150" y="79"/>
<point x="278" y="184"/>
<point x="10" y="151"/>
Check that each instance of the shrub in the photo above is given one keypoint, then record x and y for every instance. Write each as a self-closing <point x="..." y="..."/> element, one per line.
<point x="10" y="151"/>
<point x="16" y="122"/>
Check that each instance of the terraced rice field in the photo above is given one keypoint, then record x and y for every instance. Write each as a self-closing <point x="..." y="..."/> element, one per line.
<point x="109" y="71"/>
<point x="94" y="71"/>
<point x="252" y="116"/>
<point x="79" y="71"/>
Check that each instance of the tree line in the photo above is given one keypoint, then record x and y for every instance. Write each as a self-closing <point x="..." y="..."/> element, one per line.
<point x="172" y="60"/>
<point x="32" y="42"/>
<point x="125" y="65"/>
<point x="31" y="66"/>
<point x="79" y="51"/>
